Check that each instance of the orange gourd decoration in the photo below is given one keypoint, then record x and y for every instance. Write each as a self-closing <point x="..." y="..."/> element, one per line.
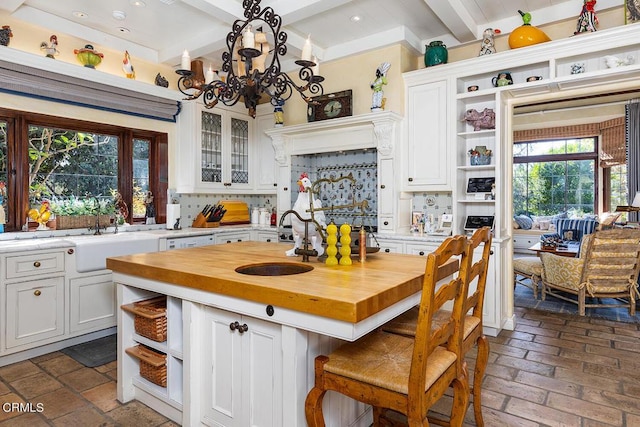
<point x="526" y="34"/>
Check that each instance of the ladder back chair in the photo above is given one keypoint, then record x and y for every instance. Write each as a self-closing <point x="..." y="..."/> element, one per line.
<point x="406" y="375"/>
<point x="473" y="335"/>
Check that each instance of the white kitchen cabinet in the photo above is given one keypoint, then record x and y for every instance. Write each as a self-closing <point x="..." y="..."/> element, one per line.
<point x="232" y="237"/>
<point x="263" y="163"/>
<point x="92" y="302"/>
<point x="242" y="359"/>
<point x="34" y="311"/>
<point x="223" y="155"/>
<point x="30" y="264"/>
<point x="265" y="236"/>
<point x="426" y="150"/>
<point x="422" y="249"/>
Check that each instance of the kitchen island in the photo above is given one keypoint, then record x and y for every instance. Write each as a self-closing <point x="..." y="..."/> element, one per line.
<point x="240" y="348"/>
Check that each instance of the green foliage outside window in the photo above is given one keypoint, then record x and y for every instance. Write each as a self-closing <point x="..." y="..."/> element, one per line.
<point x="554" y="176"/>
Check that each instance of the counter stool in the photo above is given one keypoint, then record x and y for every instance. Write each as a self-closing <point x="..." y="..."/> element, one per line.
<point x="527" y="271"/>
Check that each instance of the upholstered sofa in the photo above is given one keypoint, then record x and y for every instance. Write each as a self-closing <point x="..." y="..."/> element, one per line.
<point x="572" y="228"/>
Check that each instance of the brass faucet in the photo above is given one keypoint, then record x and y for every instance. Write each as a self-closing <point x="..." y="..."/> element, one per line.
<point x="97" y="226"/>
<point x="305" y="251"/>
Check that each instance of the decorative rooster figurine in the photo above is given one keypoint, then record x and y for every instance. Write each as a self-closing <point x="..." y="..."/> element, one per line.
<point x="127" y="67"/>
<point x="302" y="207"/>
<point x="50" y="49"/>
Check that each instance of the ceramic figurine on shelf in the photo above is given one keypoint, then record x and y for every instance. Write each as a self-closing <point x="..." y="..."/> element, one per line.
<point x="278" y="113"/>
<point x="488" y="46"/>
<point x="127" y="66"/>
<point x="526" y="34"/>
<point x="381" y="79"/>
<point x="577" y="68"/>
<point x="161" y="81"/>
<point x="587" y="21"/>
<point x="88" y="56"/>
<point x="5" y="35"/>
<point x="51" y="48"/>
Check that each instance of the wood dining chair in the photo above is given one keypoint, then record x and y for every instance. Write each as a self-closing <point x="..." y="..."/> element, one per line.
<point x="405" y="374"/>
<point x="473" y="335"/>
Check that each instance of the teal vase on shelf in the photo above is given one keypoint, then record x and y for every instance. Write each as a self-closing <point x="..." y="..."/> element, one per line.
<point x="435" y="53"/>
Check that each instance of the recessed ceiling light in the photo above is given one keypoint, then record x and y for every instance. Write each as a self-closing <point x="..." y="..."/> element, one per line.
<point x="79" y="14"/>
<point x="355" y="18"/>
<point x="119" y="15"/>
<point x="124" y="30"/>
<point x="137" y="3"/>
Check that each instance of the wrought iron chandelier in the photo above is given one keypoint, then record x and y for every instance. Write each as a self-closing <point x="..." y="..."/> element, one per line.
<point x="257" y="69"/>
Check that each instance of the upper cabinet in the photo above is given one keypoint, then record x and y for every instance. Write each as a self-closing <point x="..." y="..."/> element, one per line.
<point x="426" y="153"/>
<point x="224" y="151"/>
<point x="438" y="138"/>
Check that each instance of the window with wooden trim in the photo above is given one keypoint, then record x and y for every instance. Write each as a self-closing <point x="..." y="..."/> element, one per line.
<point x="44" y="157"/>
<point x="555" y="176"/>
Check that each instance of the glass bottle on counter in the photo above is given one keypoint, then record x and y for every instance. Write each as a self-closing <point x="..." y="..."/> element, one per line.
<point x="274" y="217"/>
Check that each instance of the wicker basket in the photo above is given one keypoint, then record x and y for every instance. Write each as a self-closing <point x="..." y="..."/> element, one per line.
<point x="153" y="365"/>
<point x="150" y="319"/>
<point x="65" y="222"/>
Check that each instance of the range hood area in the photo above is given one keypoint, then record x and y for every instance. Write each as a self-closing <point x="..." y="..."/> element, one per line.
<point x="365" y="146"/>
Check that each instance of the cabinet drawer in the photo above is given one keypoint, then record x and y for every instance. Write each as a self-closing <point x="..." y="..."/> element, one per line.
<point x="243" y="236"/>
<point x="525" y="242"/>
<point x="33" y="264"/>
<point x="391" y="247"/>
<point x="420" y="249"/>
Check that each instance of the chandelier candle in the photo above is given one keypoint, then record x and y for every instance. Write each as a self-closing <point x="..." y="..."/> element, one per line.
<point x="306" y="49"/>
<point x="185" y="64"/>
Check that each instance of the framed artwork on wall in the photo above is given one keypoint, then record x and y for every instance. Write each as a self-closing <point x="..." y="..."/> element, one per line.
<point x="631" y="11"/>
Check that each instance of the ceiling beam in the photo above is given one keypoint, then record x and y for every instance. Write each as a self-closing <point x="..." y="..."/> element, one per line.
<point x="397" y="35"/>
<point x="456" y="18"/>
<point x="222" y="10"/>
<point x="11" y="5"/>
<point x="296" y="10"/>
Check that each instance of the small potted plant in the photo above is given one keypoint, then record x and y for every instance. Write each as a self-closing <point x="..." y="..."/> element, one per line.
<point x="81" y="213"/>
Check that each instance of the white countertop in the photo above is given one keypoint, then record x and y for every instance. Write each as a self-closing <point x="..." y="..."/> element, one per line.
<point x="55" y="239"/>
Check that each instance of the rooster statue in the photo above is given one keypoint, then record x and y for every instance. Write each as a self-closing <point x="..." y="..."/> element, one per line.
<point x="302" y="207"/>
<point x="50" y="49"/>
<point x="127" y="66"/>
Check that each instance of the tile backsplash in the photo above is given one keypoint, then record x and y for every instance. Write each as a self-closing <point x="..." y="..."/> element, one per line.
<point x="191" y="204"/>
<point x="363" y="167"/>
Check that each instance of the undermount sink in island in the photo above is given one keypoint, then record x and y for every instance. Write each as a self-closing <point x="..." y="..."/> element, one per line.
<point x="243" y="346"/>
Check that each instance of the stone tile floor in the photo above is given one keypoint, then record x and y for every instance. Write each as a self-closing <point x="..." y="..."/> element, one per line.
<point x="553" y="370"/>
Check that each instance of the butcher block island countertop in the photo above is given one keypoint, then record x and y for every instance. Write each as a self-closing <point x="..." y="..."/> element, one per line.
<point x="345" y="293"/>
<point x="240" y="349"/>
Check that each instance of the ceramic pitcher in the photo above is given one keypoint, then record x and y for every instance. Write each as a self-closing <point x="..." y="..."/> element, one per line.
<point x="435" y="53"/>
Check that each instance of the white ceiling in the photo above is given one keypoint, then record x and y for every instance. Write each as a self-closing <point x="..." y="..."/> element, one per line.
<point x="160" y="30"/>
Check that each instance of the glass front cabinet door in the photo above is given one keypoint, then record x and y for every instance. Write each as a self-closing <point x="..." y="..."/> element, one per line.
<point x="224" y="150"/>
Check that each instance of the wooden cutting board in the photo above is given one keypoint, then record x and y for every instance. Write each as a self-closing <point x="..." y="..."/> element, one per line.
<point x="237" y="212"/>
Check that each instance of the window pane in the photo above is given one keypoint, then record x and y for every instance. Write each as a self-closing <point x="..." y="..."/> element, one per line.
<point x="619" y="189"/>
<point x="211" y="147"/>
<point x="140" y="176"/>
<point x="239" y="151"/>
<point x="65" y="163"/>
<point x="556" y="185"/>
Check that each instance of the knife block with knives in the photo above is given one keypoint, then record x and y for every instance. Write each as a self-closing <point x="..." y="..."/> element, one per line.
<point x="209" y="217"/>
